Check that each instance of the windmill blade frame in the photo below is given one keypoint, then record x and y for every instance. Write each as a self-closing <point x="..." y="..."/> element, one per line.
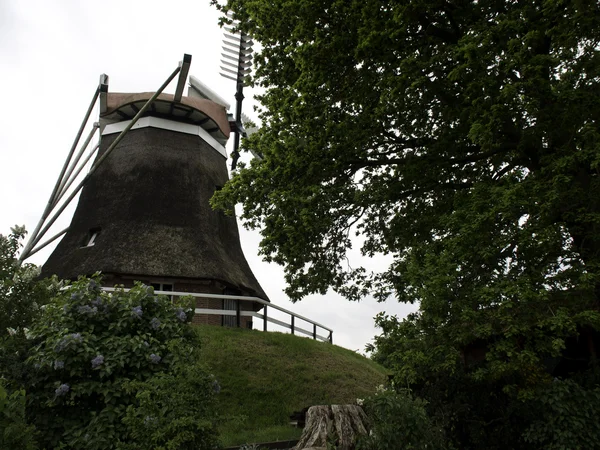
<point x="236" y="65"/>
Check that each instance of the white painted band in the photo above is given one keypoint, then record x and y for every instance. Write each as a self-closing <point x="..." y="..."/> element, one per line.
<point x="165" y="124"/>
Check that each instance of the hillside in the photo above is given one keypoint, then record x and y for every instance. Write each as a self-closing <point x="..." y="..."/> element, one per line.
<point x="265" y="377"/>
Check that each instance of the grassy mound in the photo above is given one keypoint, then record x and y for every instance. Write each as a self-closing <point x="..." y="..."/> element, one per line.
<point x="265" y="377"/>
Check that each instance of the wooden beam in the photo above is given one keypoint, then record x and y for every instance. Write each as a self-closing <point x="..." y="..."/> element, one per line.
<point x="103" y="92"/>
<point x="183" y="74"/>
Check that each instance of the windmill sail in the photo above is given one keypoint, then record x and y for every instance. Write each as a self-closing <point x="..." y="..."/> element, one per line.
<point x="236" y="65"/>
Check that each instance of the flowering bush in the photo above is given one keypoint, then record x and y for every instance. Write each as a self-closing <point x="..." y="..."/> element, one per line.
<point x="88" y="346"/>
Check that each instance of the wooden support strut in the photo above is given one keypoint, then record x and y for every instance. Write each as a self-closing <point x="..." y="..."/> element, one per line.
<point x="183" y="74"/>
<point x="32" y="242"/>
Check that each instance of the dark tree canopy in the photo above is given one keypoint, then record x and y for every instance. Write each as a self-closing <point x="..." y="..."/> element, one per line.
<point x="460" y="137"/>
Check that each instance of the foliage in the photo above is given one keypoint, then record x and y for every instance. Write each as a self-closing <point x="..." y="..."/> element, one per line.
<point x="435" y="125"/>
<point x="89" y="345"/>
<point x="568" y="417"/>
<point x="174" y="411"/>
<point x="462" y="139"/>
<point x="400" y="421"/>
<point x="21" y="299"/>
<point x="15" y="433"/>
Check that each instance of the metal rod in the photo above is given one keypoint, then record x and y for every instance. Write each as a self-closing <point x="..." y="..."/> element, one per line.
<point x="293" y="324"/>
<point x="74" y="177"/>
<point x="75" y="162"/>
<point x="49" y="241"/>
<point x="107" y="152"/>
<point x="314" y="331"/>
<point x="185" y="69"/>
<point x="33" y="239"/>
<point x="239" y="97"/>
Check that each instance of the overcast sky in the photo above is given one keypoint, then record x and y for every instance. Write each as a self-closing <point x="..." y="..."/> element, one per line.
<point x="51" y="56"/>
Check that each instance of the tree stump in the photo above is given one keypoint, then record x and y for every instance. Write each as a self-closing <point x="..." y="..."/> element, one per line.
<point x="341" y="424"/>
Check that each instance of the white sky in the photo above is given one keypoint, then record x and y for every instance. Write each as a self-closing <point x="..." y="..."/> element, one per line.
<point x="51" y="56"/>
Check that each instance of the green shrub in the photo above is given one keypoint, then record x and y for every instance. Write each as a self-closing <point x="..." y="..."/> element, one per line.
<point x="398" y="421"/>
<point x="174" y="411"/>
<point x="21" y="300"/>
<point x="568" y="417"/>
<point x="89" y="346"/>
<point x="15" y="433"/>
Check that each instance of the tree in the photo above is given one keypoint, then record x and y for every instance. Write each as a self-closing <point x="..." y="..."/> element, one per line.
<point x="21" y="298"/>
<point x="460" y="137"/>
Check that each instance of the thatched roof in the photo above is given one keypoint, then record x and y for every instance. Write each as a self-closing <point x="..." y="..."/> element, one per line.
<point x="150" y="201"/>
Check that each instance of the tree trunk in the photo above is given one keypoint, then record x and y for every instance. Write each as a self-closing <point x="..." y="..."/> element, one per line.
<point x="340" y="424"/>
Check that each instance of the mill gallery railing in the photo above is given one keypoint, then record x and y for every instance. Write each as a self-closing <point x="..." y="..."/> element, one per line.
<point x="238" y="313"/>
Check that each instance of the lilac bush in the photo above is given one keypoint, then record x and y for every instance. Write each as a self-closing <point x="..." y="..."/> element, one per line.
<point x="89" y="345"/>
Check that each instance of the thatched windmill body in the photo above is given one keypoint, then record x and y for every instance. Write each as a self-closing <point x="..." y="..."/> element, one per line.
<point x="144" y="213"/>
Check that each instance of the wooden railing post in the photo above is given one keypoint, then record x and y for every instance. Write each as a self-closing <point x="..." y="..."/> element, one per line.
<point x="293" y="317"/>
<point x="331" y="337"/>
<point x="315" y="331"/>
<point x="238" y="313"/>
<point x="265" y="319"/>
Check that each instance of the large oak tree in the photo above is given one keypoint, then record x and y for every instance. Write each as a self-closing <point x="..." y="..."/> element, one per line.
<point x="460" y="137"/>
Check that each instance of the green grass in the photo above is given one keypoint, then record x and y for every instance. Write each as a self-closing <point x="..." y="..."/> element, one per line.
<point x="265" y="377"/>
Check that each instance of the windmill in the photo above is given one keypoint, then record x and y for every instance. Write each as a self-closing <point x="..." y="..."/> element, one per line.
<point x="143" y="211"/>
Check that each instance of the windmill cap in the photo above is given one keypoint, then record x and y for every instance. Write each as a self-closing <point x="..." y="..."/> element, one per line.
<point x="208" y="114"/>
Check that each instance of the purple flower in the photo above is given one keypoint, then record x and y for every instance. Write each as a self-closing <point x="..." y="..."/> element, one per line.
<point x="76" y="337"/>
<point x="137" y="311"/>
<point x="59" y="365"/>
<point x="146" y="344"/>
<point x="64" y="342"/>
<point x="60" y="346"/>
<point x="181" y="315"/>
<point x="97" y="301"/>
<point x="75" y="296"/>
<point x="87" y="310"/>
<point x="97" y="361"/>
<point x="62" y="390"/>
<point x="155" y="358"/>
<point x="216" y="387"/>
<point x="93" y="286"/>
<point x="149" y="420"/>
<point x="155" y="323"/>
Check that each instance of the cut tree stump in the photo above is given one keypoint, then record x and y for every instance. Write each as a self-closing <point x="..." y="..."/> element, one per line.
<point x="343" y="424"/>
